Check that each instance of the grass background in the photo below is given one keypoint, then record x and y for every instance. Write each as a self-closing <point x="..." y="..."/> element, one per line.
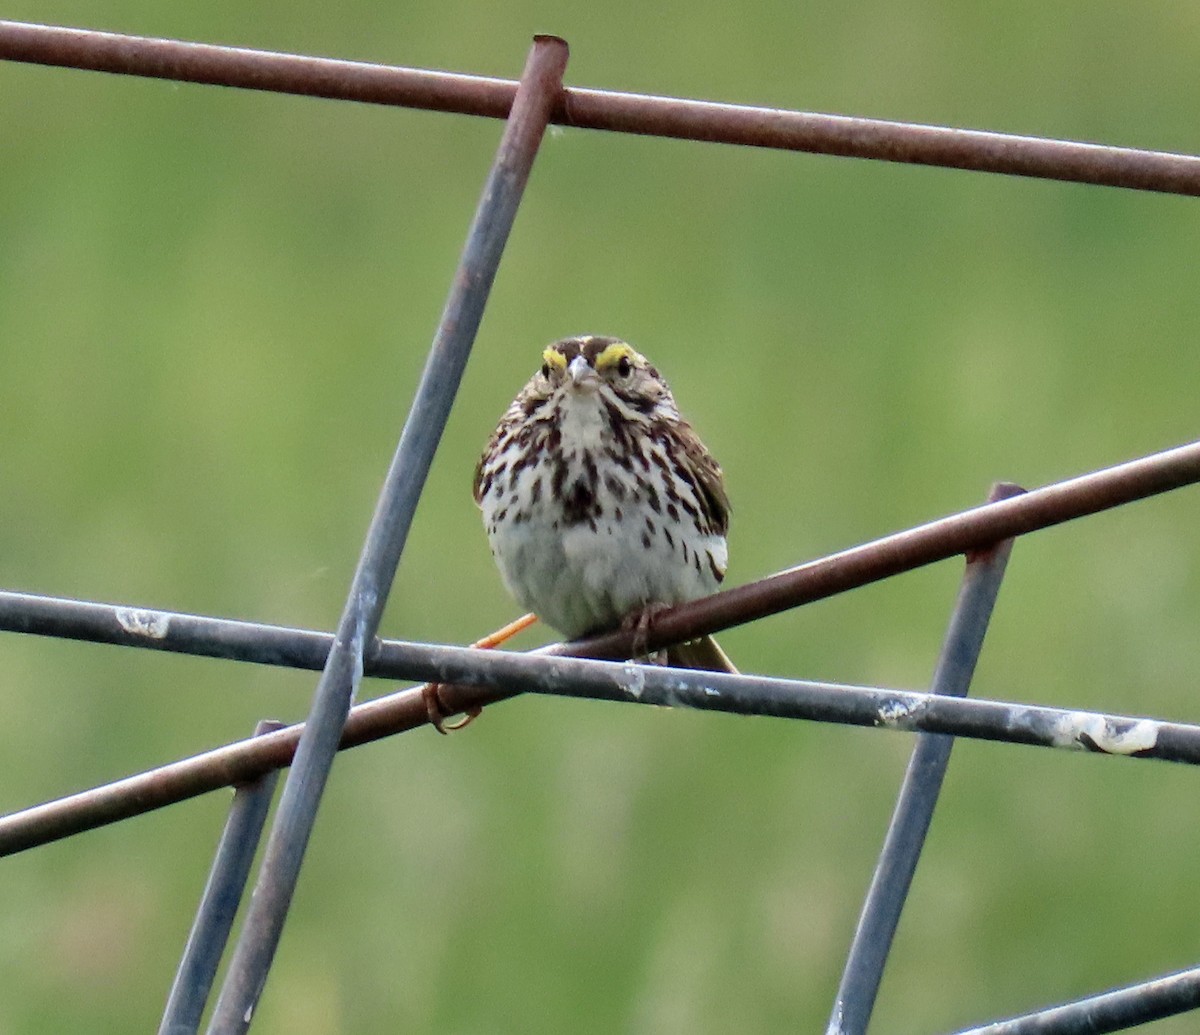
<point x="214" y="305"/>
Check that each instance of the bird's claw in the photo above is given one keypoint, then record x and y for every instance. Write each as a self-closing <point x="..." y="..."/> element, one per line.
<point x="430" y="692"/>
<point x="437" y="713"/>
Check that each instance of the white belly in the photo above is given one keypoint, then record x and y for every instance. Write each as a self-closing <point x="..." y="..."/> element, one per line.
<point x="582" y="579"/>
<point x="621" y="546"/>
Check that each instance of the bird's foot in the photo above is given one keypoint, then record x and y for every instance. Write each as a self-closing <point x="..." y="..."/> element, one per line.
<point x="438" y="714"/>
<point x="430" y="692"/>
<point x="640" y="623"/>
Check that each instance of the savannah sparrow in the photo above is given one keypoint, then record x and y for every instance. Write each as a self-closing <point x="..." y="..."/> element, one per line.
<point x="600" y="501"/>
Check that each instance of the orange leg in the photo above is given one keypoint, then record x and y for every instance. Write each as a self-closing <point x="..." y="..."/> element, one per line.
<point x="433" y="703"/>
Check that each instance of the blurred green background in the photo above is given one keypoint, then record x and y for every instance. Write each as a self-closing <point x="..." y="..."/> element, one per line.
<point x="214" y="305"/>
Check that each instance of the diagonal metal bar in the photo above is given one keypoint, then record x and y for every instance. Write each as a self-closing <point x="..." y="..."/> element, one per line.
<point x="848" y="569"/>
<point x="540" y="86"/>
<point x="508" y="674"/>
<point x="604" y="110"/>
<point x="220" y="901"/>
<point x="974" y="529"/>
<point x="1117" y="1010"/>
<point x="919" y="792"/>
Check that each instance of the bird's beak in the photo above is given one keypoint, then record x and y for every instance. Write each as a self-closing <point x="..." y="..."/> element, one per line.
<point x="580" y="371"/>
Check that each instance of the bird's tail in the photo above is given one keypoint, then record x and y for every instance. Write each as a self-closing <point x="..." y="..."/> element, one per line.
<point x="704" y="654"/>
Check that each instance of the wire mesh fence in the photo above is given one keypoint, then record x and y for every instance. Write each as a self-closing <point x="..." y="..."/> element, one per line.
<point x="594" y="668"/>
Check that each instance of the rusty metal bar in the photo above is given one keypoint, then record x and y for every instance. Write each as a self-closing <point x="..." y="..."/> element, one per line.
<point x="220" y="901"/>
<point x="960" y="533"/>
<point x="541" y="83"/>
<point x="919" y="792"/>
<point x="255" y="69"/>
<point x="605" y="110"/>
<point x="507" y="674"/>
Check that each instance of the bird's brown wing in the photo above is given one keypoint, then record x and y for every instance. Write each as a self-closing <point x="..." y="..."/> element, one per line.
<point x="511" y="416"/>
<point x="708" y="477"/>
<point x="476" y="484"/>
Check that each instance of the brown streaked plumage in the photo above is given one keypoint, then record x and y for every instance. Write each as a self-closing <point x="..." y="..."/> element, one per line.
<point x="599" y="500"/>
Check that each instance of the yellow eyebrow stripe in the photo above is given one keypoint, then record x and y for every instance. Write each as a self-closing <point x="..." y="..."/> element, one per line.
<point x="555" y="359"/>
<point x="613" y="355"/>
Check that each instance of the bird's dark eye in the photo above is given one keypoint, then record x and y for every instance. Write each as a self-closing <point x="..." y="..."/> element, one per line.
<point x="624" y="367"/>
<point x="545" y="370"/>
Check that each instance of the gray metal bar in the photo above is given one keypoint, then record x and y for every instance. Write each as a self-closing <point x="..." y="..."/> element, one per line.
<point x="919" y="792"/>
<point x="848" y="569"/>
<point x="220" y="901"/>
<point x="1117" y="1010"/>
<point x="541" y="84"/>
<point x="504" y="674"/>
<point x="604" y="110"/>
<point x="171" y="631"/>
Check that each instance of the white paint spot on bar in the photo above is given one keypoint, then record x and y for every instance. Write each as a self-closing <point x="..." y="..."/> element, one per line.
<point x="635" y="680"/>
<point x="153" y="625"/>
<point x="1084" y="730"/>
<point x="896" y="714"/>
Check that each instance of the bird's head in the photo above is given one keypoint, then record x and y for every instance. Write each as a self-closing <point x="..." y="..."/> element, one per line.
<point x="594" y="364"/>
